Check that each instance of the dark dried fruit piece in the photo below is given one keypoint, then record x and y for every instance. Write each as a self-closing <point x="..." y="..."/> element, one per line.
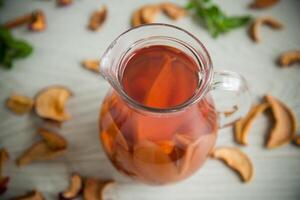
<point x="254" y="28"/>
<point x="4" y="157"/>
<point x="3" y="184"/>
<point x="33" y="195"/>
<point x="74" y="189"/>
<point x="38" y="22"/>
<point x="64" y="2"/>
<point x="19" y="104"/>
<point x="98" y="18"/>
<point x="261" y="4"/>
<point x="50" y="103"/>
<point x="289" y="57"/>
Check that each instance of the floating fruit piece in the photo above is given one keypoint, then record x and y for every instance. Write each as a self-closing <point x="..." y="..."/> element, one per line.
<point x="19" y="104"/>
<point x="242" y="126"/>
<point x="285" y="125"/>
<point x="50" y="103"/>
<point x="237" y="160"/>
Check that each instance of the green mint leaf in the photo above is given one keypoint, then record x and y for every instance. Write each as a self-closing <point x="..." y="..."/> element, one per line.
<point x="216" y="21"/>
<point x="12" y="48"/>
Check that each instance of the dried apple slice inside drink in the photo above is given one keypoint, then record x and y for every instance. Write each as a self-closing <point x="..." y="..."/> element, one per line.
<point x="152" y="163"/>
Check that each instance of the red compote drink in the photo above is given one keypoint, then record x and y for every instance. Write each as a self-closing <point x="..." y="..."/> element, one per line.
<point x="153" y="146"/>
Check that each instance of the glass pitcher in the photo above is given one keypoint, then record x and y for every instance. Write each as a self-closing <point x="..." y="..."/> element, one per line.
<point x="159" y="121"/>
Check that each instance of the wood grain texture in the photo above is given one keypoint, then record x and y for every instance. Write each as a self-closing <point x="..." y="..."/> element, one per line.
<point x="56" y="60"/>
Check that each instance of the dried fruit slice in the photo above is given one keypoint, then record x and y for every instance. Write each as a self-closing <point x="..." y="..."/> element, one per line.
<point x="289" y="58"/>
<point x="261" y="4"/>
<point x="97" y="19"/>
<point x="38" y="151"/>
<point x="4" y="157"/>
<point x="254" y="28"/>
<point x="172" y="10"/>
<point x="149" y="13"/>
<point x="92" y="65"/>
<point x="53" y="140"/>
<point x="152" y="163"/>
<point x="285" y="123"/>
<point x="237" y="160"/>
<point x="50" y="103"/>
<point x="3" y="184"/>
<point x="74" y="189"/>
<point x="18" y="21"/>
<point x="64" y="2"/>
<point x="38" y="21"/>
<point x="33" y="195"/>
<point x="242" y="127"/>
<point x="297" y="140"/>
<point x="136" y="19"/>
<point x="19" y="104"/>
<point x="94" y="189"/>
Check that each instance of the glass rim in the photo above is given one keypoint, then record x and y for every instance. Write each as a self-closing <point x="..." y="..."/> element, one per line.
<point x="200" y="91"/>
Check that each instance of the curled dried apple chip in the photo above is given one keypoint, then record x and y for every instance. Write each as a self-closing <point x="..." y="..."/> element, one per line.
<point x="149" y="13"/>
<point x="38" y="21"/>
<point x="33" y="195"/>
<point x="297" y="140"/>
<point x="50" y="147"/>
<point x="98" y="18"/>
<point x="289" y="57"/>
<point x="92" y="65"/>
<point x="19" y="104"/>
<point x="173" y="11"/>
<point x="50" y="103"/>
<point x="4" y="157"/>
<point x="236" y="160"/>
<point x="38" y="151"/>
<point x="242" y="126"/>
<point x="270" y="21"/>
<point x="262" y="4"/>
<point x="285" y="125"/>
<point x="94" y="189"/>
<point x="74" y="189"/>
<point x="53" y="140"/>
<point x="64" y="2"/>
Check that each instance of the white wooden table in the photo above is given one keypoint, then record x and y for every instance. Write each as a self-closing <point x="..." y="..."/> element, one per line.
<point x="57" y="54"/>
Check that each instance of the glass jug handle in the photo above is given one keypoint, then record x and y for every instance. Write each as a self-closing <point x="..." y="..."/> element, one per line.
<point x="231" y="96"/>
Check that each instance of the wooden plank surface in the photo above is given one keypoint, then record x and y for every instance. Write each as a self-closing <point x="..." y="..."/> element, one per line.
<point x="57" y="54"/>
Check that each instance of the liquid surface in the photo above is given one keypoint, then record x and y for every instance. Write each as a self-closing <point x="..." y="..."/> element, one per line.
<point x="151" y="147"/>
<point x="160" y="77"/>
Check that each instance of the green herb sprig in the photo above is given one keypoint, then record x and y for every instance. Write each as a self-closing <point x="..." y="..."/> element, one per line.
<point x="215" y="19"/>
<point x="12" y="48"/>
